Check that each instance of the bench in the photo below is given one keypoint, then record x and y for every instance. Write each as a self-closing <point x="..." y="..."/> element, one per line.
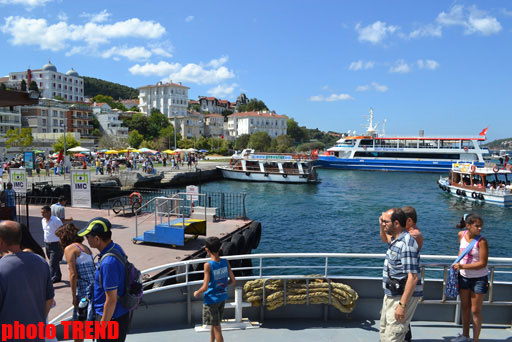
<point x="199" y="212"/>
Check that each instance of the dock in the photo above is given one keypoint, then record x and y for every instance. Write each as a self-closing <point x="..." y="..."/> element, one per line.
<point x="142" y="255"/>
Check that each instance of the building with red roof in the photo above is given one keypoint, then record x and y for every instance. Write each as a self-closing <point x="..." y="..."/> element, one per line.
<point x="171" y="99"/>
<point x="251" y="122"/>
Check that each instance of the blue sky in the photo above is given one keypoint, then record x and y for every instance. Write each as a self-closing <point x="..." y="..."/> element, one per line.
<point x="440" y="66"/>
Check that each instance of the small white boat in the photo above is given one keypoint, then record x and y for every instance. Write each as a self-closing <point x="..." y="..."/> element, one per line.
<point x="263" y="167"/>
<point x="484" y="184"/>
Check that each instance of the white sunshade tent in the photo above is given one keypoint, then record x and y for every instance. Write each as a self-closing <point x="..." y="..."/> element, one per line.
<point x="191" y="150"/>
<point x="78" y="149"/>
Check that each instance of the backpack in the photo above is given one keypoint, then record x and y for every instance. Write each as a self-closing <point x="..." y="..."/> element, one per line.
<point x="132" y="281"/>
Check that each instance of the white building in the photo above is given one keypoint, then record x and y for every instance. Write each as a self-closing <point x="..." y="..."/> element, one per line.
<point x="251" y="122"/>
<point x="111" y="125"/>
<point x="189" y="126"/>
<point x="51" y="83"/>
<point x="214" y="105"/>
<point x="10" y="118"/>
<point x="214" y="125"/>
<point x="48" y="116"/>
<point x="101" y="108"/>
<point x="170" y="99"/>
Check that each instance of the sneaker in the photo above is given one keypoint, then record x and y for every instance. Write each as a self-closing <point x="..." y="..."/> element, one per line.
<point x="460" y="338"/>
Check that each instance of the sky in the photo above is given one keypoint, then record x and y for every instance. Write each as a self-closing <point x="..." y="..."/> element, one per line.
<point x="439" y="66"/>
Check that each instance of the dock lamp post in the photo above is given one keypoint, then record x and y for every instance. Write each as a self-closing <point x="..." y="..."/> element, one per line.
<point x="174" y="124"/>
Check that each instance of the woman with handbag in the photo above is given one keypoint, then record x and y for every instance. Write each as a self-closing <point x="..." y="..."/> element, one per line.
<point x="473" y="276"/>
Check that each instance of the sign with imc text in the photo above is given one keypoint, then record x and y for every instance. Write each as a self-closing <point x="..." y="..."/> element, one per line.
<point x="192" y="193"/>
<point x="81" y="188"/>
<point x="18" y="178"/>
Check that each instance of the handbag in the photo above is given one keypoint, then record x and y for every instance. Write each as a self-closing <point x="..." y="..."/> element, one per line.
<point x="452" y="281"/>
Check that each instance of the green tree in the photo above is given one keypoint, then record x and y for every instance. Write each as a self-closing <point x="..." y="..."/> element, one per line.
<point x="253" y="105"/>
<point x="58" y="97"/>
<point x="2" y="86"/>
<point x="157" y="121"/>
<point x="284" y="143"/>
<point x="194" y="108"/>
<point x="19" y="137"/>
<point x="70" y="143"/>
<point x="241" y="142"/>
<point x="140" y="122"/>
<point x="95" y="86"/>
<point x="96" y="132"/>
<point x="260" y="141"/>
<point x="33" y="86"/>
<point x="202" y="143"/>
<point x="298" y="134"/>
<point x="23" y="85"/>
<point x="135" y="138"/>
<point x="151" y="144"/>
<point x="95" y="123"/>
<point x="306" y="147"/>
<point x="110" y="142"/>
<point x="167" y="136"/>
<point x="134" y="109"/>
<point x="186" y="143"/>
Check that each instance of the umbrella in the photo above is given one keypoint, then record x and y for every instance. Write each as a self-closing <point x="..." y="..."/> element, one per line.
<point x="79" y="155"/>
<point x="168" y="151"/>
<point x="103" y="151"/>
<point x="111" y="152"/>
<point x="179" y="150"/>
<point x="78" y="149"/>
<point x="191" y="150"/>
<point x="202" y="151"/>
<point x="37" y="151"/>
<point x="147" y="150"/>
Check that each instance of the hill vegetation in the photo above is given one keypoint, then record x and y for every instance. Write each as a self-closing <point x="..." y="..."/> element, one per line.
<point x="500" y="144"/>
<point x="95" y="86"/>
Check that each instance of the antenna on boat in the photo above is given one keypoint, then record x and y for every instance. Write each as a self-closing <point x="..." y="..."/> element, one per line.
<point x="371" y="129"/>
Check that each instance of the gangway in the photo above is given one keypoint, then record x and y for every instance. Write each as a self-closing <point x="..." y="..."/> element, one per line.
<point x="170" y="220"/>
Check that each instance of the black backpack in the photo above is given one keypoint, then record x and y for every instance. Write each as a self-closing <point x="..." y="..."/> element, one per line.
<point x="132" y="281"/>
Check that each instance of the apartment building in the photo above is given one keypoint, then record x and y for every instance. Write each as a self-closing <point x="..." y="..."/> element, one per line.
<point x="171" y="99"/>
<point x="214" y="125"/>
<point x="69" y="85"/>
<point x="251" y="122"/>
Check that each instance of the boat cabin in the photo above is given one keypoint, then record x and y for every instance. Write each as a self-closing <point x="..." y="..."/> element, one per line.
<point x="467" y="176"/>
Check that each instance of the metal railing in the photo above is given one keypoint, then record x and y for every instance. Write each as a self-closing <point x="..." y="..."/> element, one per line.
<point x="329" y="266"/>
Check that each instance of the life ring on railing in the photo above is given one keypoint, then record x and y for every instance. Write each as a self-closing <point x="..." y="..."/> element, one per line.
<point x="481" y="197"/>
<point x="285" y="175"/>
<point x="266" y="174"/>
<point x="474" y="195"/>
<point x="458" y="192"/>
<point x="463" y="193"/>
<point x="495" y="169"/>
<point x="135" y="197"/>
<point x="473" y="168"/>
<point x="465" y="148"/>
<point x="247" y="173"/>
<point x="509" y="167"/>
<point x="364" y="147"/>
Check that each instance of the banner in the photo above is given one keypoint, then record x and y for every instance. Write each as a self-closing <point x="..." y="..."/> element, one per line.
<point x="29" y="160"/>
<point x="18" y="178"/>
<point x="81" y="188"/>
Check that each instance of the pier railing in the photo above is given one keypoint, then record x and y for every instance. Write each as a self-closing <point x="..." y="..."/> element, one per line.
<point x="330" y="266"/>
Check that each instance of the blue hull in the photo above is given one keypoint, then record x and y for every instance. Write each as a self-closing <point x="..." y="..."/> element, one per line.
<point x="387" y="164"/>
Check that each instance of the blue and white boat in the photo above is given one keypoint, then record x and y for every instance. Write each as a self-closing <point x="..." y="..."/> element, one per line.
<point x="374" y="151"/>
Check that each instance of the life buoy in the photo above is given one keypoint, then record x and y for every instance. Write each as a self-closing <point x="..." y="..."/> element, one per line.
<point x="481" y="197"/>
<point x="285" y="175"/>
<point x="465" y="148"/>
<point x="495" y="169"/>
<point x="135" y="197"/>
<point x="458" y="192"/>
<point x="364" y="147"/>
<point x="247" y="173"/>
<point x="266" y="174"/>
<point x="473" y="168"/>
<point x="474" y="195"/>
<point x="509" y="167"/>
<point x="463" y="193"/>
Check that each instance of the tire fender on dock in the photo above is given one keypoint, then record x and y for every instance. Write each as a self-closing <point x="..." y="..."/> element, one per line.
<point x="255" y="227"/>
<point x="239" y="241"/>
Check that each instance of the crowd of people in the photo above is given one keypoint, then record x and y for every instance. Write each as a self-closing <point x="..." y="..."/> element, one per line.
<point x="26" y="278"/>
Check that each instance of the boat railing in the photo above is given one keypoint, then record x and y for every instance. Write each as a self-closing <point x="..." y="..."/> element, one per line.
<point x="330" y="266"/>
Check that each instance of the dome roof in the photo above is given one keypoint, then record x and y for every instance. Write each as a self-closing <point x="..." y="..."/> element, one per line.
<point x="49" y="67"/>
<point x="72" y="72"/>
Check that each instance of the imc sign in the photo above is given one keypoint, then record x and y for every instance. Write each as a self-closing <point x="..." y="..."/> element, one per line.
<point x="81" y="188"/>
<point x="18" y="178"/>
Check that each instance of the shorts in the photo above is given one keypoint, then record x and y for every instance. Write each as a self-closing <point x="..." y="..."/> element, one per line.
<point x="212" y="313"/>
<point x="477" y="285"/>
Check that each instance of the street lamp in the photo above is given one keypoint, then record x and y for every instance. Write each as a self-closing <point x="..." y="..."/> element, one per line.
<point x="174" y="123"/>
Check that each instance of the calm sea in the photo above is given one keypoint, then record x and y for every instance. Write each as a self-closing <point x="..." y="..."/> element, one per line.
<point x="341" y="213"/>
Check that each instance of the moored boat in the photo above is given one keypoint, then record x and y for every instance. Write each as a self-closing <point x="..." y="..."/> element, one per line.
<point x="374" y="151"/>
<point x="263" y="167"/>
<point x="484" y="184"/>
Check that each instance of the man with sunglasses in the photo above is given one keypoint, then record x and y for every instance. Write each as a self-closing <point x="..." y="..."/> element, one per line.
<point x="401" y="284"/>
<point x="109" y="279"/>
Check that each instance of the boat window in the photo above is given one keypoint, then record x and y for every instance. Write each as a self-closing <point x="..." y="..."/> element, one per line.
<point x="428" y="143"/>
<point x="290" y="166"/>
<point x="412" y="155"/>
<point x="367" y="142"/>
<point x="490" y="180"/>
<point x="449" y="144"/>
<point x="456" y="178"/>
<point x="466" y="179"/>
<point x="252" y="165"/>
<point x="502" y="178"/>
<point x="477" y="180"/>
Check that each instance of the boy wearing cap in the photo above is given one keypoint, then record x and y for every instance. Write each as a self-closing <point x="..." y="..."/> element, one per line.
<point x="111" y="272"/>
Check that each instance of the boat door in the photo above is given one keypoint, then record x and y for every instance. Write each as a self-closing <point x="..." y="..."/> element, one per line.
<point x="262" y="167"/>
<point x="280" y="166"/>
<point x="301" y="170"/>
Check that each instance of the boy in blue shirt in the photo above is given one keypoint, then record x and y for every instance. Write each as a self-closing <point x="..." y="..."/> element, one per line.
<point x="215" y="288"/>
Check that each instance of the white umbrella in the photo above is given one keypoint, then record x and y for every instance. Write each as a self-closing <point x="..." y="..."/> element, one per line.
<point x="179" y="150"/>
<point x="78" y="149"/>
<point x="191" y="150"/>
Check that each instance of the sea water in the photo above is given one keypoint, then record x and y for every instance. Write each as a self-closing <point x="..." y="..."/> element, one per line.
<point x="340" y="215"/>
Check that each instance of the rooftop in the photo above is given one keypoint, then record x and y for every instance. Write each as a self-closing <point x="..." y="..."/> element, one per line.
<point x="259" y="114"/>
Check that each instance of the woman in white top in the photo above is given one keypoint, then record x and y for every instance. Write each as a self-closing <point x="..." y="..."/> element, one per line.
<point x="473" y="279"/>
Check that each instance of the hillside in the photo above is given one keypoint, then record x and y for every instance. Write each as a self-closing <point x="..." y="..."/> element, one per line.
<point x="94" y="86"/>
<point x="500" y="144"/>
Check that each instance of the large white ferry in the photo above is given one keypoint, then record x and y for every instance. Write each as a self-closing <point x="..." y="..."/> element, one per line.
<point x="372" y="151"/>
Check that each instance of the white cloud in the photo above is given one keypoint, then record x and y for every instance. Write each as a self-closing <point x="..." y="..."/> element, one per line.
<point x="27" y="3"/>
<point x="358" y="65"/>
<point x="132" y="53"/>
<point x="150" y="69"/>
<point x="427" y="31"/>
<point x="191" y="73"/>
<point x="96" y="17"/>
<point x="222" y="90"/>
<point x="507" y="12"/>
<point x="330" y="98"/>
<point x="189" y="18"/>
<point x="373" y="86"/>
<point x="375" y="32"/>
<point x="218" y="62"/>
<point x="28" y="31"/>
<point x="163" y="49"/>
<point x="427" y="64"/>
<point x="400" y="67"/>
<point x="62" y="16"/>
<point x="472" y="19"/>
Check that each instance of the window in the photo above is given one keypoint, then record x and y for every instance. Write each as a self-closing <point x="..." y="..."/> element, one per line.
<point x="53" y="76"/>
<point x="60" y="86"/>
<point x="40" y="75"/>
<point x="43" y="121"/>
<point x="59" y="78"/>
<point x="13" y="77"/>
<point x="40" y="84"/>
<point x="55" y="122"/>
<point x="65" y="79"/>
<point x="54" y="113"/>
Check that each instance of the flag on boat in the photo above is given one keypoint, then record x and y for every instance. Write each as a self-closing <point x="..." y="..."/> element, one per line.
<point x="484" y="132"/>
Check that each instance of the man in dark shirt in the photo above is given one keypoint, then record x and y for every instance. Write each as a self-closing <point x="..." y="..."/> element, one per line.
<point x="26" y="288"/>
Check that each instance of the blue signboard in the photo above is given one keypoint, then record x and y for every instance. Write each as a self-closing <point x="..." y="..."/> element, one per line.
<point x="29" y="160"/>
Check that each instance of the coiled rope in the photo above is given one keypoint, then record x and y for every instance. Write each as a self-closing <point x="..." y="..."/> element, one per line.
<point x="343" y="297"/>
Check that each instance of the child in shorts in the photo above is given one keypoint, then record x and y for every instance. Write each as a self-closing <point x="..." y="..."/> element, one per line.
<point x="217" y="277"/>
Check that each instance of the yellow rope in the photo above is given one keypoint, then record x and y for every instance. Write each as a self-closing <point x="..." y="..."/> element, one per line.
<point x="343" y="297"/>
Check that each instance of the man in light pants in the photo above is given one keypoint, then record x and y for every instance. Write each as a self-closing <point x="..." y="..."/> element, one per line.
<point x="400" y="281"/>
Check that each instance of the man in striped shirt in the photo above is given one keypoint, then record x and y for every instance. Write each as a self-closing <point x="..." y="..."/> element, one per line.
<point x="401" y="284"/>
